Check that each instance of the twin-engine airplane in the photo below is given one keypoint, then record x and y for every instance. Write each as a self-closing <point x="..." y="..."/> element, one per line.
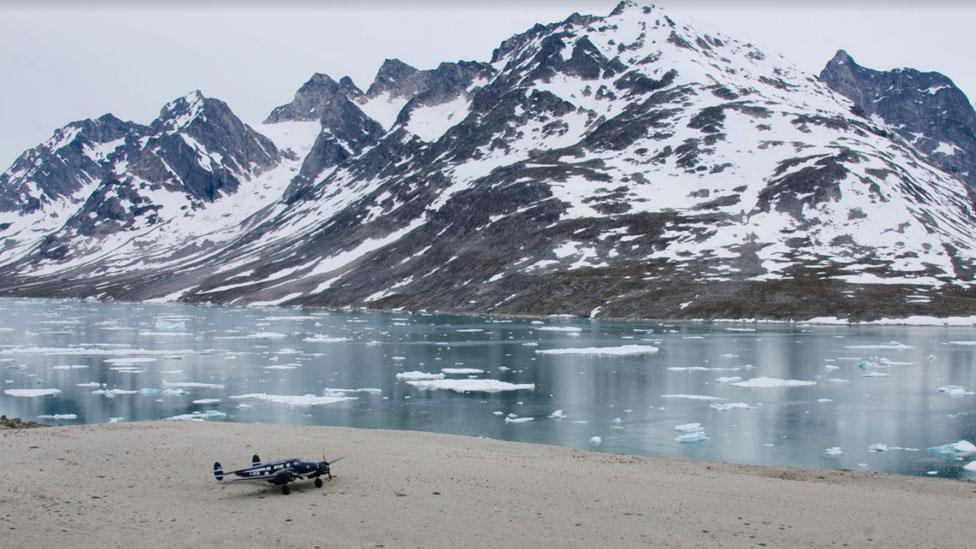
<point x="280" y="473"/>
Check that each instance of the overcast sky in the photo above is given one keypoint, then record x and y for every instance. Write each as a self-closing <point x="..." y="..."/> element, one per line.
<point x="66" y="61"/>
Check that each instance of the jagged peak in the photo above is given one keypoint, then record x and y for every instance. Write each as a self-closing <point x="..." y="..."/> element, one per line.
<point x="391" y="73"/>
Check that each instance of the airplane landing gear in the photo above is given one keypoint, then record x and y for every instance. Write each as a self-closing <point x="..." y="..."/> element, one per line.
<point x="285" y="490"/>
<point x="318" y="482"/>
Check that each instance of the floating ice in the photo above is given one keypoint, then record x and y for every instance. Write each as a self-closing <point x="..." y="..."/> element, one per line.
<point x="59" y="417"/>
<point x="206" y="401"/>
<point x="197" y="416"/>
<point x="873" y="369"/>
<point x="112" y="393"/>
<point x="471" y="385"/>
<point x="623" y="350"/>
<point x="723" y="407"/>
<point x="560" y="329"/>
<point x="731" y="379"/>
<point x="89" y="385"/>
<point x="971" y="466"/>
<point x="772" y="382"/>
<point x="878" y="447"/>
<point x="294" y="400"/>
<point x="418" y="376"/>
<point x="30" y="393"/>
<point x="971" y="342"/>
<point x="518" y="419"/>
<point x="596" y="441"/>
<point x="324" y="339"/>
<point x="129" y="361"/>
<point x="954" y="450"/>
<point x="837" y="380"/>
<point x="894" y="345"/>
<point x="282" y="367"/>
<point x="834" y="451"/>
<point x="461" y="371"/>
<point x="192" y="385"/>
<point x="697" y="436"/>
<point x="689" y="427"/>
<point x="692" y="397"/>
<point x="70" y="367"/>
<point x="955" y="391"/>
<point x="558" y="414"/>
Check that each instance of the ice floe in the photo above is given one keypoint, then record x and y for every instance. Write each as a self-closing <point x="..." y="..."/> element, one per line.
<point x="878" y="447"/>
<point x="462" y="371"/>
<point x="471" y="385"/>
<point x="198" y="416"/>
<point x="772" y="382"/>
<point x="954" y="450"/>
<point x="294" y="400"/>
<point x="691" y="397"/>
<point x="558" y="414"/>
<point x="892" y="346"/>
<point x="30" y="393"/>
<point x="623" y="350"/>
<point x="58" y="417"/>
<point x="509" y="419"/>
<point x="596" y="441"/>
<point x="956" y="391"/>
<point x="325" y="339"/>
<point x="689" y="427"/>
<point x="418" y="376"/>
<point x="833" y="451"/>
<point x="192" y="385"/>
<point x="724" y="407"/>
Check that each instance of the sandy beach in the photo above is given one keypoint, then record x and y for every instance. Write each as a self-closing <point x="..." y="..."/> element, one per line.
<point x="150" y="484"/>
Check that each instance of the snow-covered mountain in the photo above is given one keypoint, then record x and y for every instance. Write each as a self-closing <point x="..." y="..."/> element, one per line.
<point x="925" y="108"/>
<point x="627" y="165"/>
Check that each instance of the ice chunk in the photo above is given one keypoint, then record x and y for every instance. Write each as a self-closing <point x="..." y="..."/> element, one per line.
<point x="772" y="382"/>
<point x="471" y="385"/>
<point x="722" y="407"/>
<point x="197" y="416"/>
<point x="558" y="414"/>
<point x="321" y="338"/>
<point x="112" y="393"/>
<point x="596" y="441"/>
<point x="878" y="447"/>
<point x="129" y="361"/>
<point x="519" y="419"/>
<point x="461" y="371"/>
<point x="622" y="350"/>
<point x="418" y="376"/>
<point x="30" y="393"/>
<point x="59" y="417"/>
<point x="731" y="379"/>
<point x="955" y="391"/>
<point x="192" y="385"/>
<point x="893" y="346"/>
<point x="206" y="401"/>
<point x="971" y="466"/>
<point x="691" y="397"/>
<point x="294" y="400"/>
<point x="834" y="451"/>
<point x="560" y="329"/>
<point x="689" y="427"/>
<point x="954" y="450"/>
<point x="697" y="436"/>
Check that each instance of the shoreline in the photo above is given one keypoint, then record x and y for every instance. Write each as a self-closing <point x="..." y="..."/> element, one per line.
<point x="106" y="484"/>
<point x="928" y="321"/>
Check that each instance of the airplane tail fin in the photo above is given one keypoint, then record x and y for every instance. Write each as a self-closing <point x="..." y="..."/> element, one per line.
<point x="218" y="471"/>
<point x="255" y="460"/>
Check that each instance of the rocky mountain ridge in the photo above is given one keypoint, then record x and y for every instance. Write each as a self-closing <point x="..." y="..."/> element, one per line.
<point x="627" y="165"/>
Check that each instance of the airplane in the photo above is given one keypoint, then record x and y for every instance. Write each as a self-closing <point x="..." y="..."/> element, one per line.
<point x="280" y="473"/>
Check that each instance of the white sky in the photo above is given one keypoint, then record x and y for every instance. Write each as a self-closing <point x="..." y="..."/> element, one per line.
<point x="68" y="61"/>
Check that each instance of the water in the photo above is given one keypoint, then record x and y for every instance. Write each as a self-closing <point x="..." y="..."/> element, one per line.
<point x="80" y="348"/>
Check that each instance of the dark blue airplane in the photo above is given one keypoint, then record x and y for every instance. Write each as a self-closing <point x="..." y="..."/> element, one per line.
<point x="280" y="473"/>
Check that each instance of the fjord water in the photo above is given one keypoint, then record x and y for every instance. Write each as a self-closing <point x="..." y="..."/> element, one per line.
<point x="131" y="362"/>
